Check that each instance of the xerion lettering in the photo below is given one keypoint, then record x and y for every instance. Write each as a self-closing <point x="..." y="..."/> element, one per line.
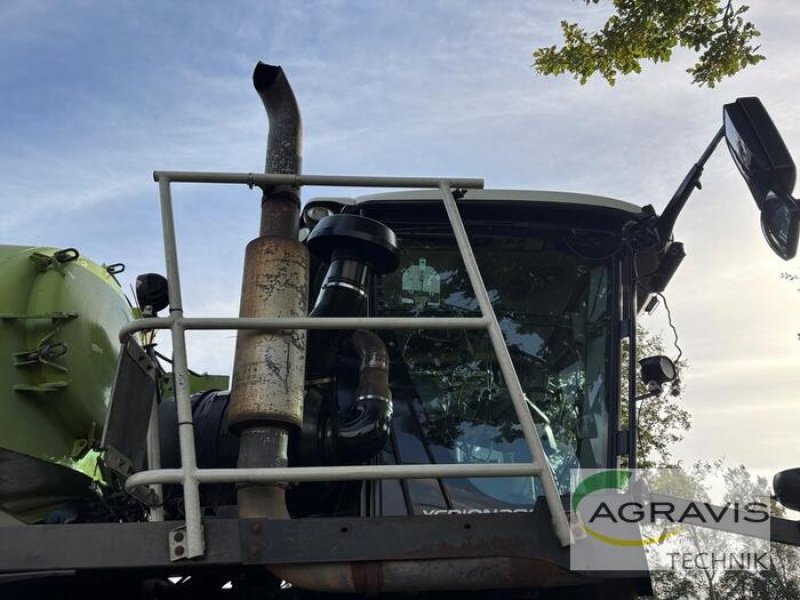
<point x="473" y="511"/>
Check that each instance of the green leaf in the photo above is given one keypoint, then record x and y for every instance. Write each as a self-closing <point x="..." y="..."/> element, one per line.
<point x="649" y="30"/>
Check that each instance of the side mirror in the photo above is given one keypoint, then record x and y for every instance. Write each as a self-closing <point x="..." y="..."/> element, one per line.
<point x="787" y="488"/>
<point x="766" y="165"/>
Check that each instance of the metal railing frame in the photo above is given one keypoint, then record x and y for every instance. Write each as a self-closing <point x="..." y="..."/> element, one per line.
<point x="190" y="476"/>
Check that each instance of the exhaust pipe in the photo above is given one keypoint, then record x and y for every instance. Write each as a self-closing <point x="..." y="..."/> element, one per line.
<point x="268" y="372"/>
<point x="284" y="150"/>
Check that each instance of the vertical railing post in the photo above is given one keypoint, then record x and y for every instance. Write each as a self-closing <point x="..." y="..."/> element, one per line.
<point x="194" y="544"/>
<point x="552" y="496"/>
<point x="154" y="461"/>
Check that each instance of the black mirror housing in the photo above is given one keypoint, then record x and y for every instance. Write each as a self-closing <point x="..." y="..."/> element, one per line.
<point x="780" y="223"/>
<point x="787" y="488"/>
<point x="758" y="149"/>
<point x="766" y="165"/>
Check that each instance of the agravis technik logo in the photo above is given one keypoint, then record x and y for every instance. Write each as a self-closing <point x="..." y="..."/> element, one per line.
<point x="659" y="518"/>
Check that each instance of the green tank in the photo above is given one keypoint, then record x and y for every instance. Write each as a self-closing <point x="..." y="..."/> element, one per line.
<point x="60" y="315"/>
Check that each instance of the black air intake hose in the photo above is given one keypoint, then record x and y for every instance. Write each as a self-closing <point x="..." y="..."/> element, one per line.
<point x="362" y="430"/>
<point x="343" y="294"/>
<point x="355" y="247"/>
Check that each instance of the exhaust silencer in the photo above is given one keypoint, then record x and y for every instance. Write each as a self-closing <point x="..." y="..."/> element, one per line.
<point x="268" y="372"/>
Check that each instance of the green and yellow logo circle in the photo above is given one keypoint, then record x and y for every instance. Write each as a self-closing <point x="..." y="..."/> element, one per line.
<point x="612" y="479"/>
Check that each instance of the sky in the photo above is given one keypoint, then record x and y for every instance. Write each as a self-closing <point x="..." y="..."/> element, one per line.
<point x="96" y="95"/>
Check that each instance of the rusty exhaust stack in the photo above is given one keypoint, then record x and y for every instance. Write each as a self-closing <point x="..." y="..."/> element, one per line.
<point x="268" y="371"/>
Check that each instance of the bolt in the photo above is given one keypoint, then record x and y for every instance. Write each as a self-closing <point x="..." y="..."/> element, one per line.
<point x="257" y="528"/>
<point x="179" y="550"/>
<point x="178" y="537"/>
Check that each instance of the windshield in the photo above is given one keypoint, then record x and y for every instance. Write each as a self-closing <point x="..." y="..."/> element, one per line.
<point x="451" y="402"/>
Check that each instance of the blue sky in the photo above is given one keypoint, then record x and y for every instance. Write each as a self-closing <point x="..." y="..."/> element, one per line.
<point x="95" y="95"/>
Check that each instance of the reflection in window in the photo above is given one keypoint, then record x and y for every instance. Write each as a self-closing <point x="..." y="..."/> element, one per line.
<point x="553" y="307"/>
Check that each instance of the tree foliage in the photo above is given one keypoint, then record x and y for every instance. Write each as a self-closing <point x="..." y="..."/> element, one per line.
<point x="642" y="30"/>
<point x="661" y="420"/>
<point x="780" y="582"/>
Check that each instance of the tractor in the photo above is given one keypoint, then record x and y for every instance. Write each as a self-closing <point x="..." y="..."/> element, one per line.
<point x="417" y="376"/>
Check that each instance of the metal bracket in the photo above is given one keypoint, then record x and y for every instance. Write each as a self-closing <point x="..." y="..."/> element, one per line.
<point x="623" y="442"/>
<point x="79" y="448"/>
<point x="116" y="461"/>
<point x="45" y="353"/>
<point x="82" y="445"/>
<point x="53" y="386"/>
<point x="625" y="329"/>
<point x="114" y="269"/>
<point x="577" y="529"/>
<point x="42" y="355"/>
<point x="177" y="544"/>
<point x="44" y="263"/>
<point x="147" y="496"/>
<point x="54" y="316"/>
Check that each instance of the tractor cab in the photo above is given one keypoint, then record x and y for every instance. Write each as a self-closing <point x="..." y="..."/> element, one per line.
<point x="551" y="263"/>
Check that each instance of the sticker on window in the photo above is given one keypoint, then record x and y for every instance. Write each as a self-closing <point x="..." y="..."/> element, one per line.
<point x="421" y="285"/>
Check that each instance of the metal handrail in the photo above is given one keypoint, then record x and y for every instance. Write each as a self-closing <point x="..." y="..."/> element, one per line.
<point x="335" y="473"/>
<point x="190" y="476"/>
<point x="280" y="323"/>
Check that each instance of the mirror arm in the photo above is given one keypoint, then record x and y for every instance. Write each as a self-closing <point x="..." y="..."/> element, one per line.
<point x="692" y="180"/>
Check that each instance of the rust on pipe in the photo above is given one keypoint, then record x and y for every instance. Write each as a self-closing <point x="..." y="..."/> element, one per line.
<point x="269" y="368"/>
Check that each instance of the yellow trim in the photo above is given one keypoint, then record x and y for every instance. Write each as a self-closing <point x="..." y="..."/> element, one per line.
<point x="630" y="543"/>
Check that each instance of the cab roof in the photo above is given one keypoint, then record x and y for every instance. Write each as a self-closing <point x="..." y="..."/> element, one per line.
<point x="485" y="196"/>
